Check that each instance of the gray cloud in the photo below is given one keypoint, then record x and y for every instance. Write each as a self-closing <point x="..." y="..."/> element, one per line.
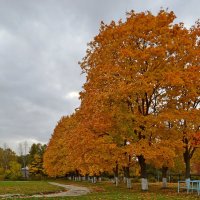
<point x="41" y="43"/>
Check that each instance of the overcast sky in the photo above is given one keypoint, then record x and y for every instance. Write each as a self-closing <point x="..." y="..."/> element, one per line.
<point x="41" y="42"/>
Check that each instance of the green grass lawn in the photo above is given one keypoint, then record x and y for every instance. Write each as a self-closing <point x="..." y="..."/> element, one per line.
<point x="27" y="187"/>
<point x="107" y="191"/>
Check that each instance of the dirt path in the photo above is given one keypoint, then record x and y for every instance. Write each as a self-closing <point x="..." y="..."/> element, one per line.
<point x="71" y="191"/>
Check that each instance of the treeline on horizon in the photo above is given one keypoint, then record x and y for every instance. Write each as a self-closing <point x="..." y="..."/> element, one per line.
<point x="30" y="159"/>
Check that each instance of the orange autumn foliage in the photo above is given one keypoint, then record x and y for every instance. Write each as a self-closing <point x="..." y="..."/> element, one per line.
<point x="142" y="85"/>
<point x="138" y="68"/>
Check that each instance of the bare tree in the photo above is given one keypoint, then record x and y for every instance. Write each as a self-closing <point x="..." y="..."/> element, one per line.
<point x="5" y="156"/>
<point x="23" y="151"/>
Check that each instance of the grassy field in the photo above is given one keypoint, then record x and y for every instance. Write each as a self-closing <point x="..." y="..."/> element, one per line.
<point x="27" y="187"/>
<point x="107" y="191"/>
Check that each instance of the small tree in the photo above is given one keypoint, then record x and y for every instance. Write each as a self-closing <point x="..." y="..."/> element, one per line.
<point x="14" y="171"/>
<point x="6" y="156"/>
<point x="36" y="166"/>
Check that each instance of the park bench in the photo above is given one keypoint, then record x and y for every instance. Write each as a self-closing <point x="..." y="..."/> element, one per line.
<point x="189" y="185"/>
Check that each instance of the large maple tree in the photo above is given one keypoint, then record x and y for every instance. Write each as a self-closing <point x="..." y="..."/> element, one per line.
<point x="135" y="67"/>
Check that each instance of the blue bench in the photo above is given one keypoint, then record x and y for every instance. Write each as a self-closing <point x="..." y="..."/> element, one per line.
<point x="189" y="185"/>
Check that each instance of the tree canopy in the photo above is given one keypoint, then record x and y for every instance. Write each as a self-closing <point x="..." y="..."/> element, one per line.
<point x="140" y="102"/>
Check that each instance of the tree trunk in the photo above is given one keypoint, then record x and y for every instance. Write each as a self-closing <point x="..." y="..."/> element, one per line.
<point x="94" y="179"/>
<point x="186" y="156"/>
<point x="87" y="177"/>
<point x="90" y="179"/>
<point x="116" y="172"/>
<point x="164" y="177"/>
<point x="144" y="180"/>
<point x="124" y="180"/>
<point x="129" y="184"/>
<point x="127" y="177"/>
